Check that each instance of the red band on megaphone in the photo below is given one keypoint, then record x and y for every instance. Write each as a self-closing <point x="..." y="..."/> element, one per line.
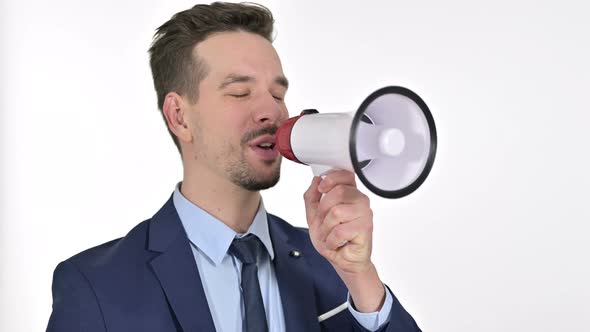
<point x="283" y="139"/>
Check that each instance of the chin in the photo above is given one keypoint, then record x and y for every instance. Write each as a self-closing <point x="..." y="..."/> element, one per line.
<point x="259" y="184"/>
<point x="256" y="176"/>
<point x="261" y="181"/>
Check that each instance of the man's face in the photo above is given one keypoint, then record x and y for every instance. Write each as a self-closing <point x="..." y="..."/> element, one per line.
<point x="240" y="105"/>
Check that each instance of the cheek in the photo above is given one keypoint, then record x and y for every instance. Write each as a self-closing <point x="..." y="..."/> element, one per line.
<point x="233" y="128"/>
<point x="229" y="123"/>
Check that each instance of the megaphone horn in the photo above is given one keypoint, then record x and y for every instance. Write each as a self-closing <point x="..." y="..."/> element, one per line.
<point x="389" y="142"/>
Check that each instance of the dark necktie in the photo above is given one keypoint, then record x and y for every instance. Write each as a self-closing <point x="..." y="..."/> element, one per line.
<point x="246" y="250"/>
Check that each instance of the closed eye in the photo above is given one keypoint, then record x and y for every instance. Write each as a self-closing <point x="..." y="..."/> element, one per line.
<point x="278" y="98"/>
<point x="243" y="95"/>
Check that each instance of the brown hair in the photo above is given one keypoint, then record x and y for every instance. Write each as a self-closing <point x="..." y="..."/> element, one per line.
<point x="174" y="68"/>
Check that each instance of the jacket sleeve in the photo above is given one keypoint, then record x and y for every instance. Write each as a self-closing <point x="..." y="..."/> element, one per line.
<point x="75" y="306"/>
<point x="399" y="319"/>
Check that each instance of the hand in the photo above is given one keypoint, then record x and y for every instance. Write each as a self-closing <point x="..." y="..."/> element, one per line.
<point x="341" y="230"/>
<point x="341" y="223"/>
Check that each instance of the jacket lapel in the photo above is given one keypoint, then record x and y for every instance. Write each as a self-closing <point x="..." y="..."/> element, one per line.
<point x="295" y="281"/>
<point x="177" y="271"/>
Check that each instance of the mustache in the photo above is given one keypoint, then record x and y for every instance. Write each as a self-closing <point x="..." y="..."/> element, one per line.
<point x="270" y="130"/>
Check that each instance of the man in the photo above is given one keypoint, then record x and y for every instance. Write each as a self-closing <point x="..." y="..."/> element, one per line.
<point x="212" y="259"/>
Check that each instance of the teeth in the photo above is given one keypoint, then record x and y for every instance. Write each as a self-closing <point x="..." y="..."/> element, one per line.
<point x="265" y="145"/>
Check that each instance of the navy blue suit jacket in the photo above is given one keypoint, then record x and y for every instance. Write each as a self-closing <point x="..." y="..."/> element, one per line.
<point x="148" y="281"/>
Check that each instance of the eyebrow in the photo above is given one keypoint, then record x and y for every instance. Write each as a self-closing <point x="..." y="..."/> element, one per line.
<point x="235" y="78"/>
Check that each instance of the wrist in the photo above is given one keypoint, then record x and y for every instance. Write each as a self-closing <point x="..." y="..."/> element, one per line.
<point x="365" y="288"/>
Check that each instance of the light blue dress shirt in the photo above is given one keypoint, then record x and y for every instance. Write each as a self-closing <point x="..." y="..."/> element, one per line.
<point x="220" y="272"/>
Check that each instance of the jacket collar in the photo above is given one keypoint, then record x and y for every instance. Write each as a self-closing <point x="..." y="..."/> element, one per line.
<point x="294" y="276"/>
<point x="177" y="271"/>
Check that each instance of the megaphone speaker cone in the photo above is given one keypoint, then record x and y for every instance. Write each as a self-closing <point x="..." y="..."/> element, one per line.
<point x="400" y="142"/>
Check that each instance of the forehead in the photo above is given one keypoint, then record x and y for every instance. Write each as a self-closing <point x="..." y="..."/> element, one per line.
<point x="239" y="53"/>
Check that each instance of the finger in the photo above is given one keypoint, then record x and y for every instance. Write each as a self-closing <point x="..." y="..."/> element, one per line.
<point x="311" y="198"/>
<point x="341" y="194"/>
<point x="339" y="214"/>
<point x="335" y="178"/>
<point x="342" y="234"/>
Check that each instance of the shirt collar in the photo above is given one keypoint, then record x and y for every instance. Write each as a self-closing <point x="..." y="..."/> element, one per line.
<point x="210" y="234"/>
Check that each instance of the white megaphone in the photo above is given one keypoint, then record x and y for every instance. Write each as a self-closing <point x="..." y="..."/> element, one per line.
<point x="390" y="142"/>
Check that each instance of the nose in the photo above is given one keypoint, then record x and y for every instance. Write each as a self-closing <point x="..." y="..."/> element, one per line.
<point x="269" y="111"/>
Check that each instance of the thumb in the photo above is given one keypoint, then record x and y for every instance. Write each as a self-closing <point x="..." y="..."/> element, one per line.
<point x="312" y="200"/>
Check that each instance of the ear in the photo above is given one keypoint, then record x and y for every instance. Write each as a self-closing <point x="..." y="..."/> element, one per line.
<point x="174" y="109"/>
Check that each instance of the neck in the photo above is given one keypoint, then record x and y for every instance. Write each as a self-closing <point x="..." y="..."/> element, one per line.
<point x="226" y="201"/>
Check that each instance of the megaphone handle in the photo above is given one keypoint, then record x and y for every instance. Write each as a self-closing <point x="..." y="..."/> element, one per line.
<point x="321" y="170"/>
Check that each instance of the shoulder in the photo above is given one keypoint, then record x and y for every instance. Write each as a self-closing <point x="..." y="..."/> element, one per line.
<point x="132" y="244"/>
<point x="111" y="265"/>
<point x="83" y="281"/>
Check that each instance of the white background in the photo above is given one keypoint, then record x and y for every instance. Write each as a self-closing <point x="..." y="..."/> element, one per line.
<point x="497" y="239"/>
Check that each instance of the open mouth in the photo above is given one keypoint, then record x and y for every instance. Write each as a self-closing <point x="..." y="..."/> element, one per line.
<point x="266" y="142"/>
<point x="266" y="146"/>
